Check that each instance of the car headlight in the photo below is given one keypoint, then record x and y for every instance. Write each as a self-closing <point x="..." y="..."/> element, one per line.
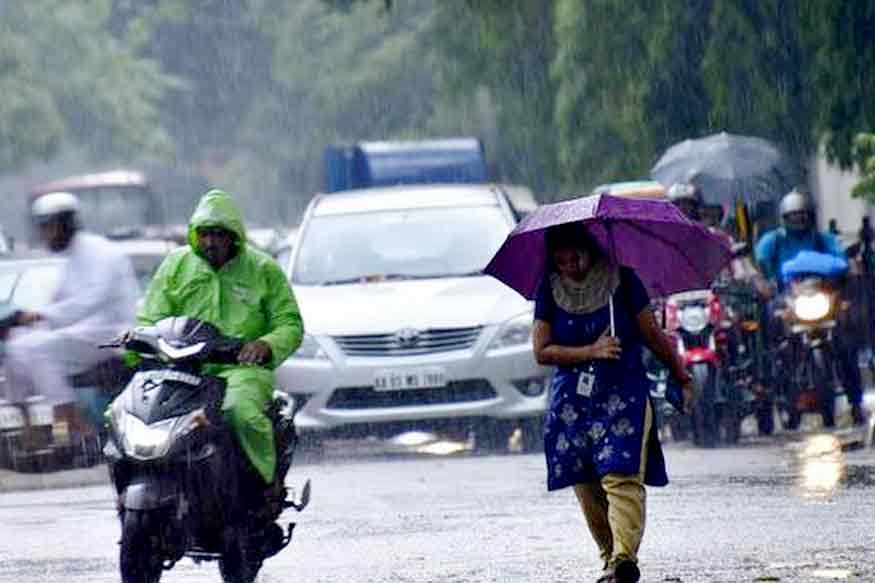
<point x="310" y="349"/>
<point x="515" y="332"/>
<point x="810" y="308"/>
<point x="693" y="318"/>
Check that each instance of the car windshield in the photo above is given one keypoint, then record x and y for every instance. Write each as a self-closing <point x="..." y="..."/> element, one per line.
<point x="113" y="210"/>
<point x="31" y="285"/>
<point x="400" y="244"/>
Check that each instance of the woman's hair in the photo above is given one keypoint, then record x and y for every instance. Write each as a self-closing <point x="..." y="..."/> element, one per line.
<point x="570" y="235"/>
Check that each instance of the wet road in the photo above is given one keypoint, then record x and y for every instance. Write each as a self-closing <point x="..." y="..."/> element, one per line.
<point x="747" y="514"/>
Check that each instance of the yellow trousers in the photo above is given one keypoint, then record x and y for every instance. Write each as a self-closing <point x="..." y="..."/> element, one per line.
<point x="615" y="509"/>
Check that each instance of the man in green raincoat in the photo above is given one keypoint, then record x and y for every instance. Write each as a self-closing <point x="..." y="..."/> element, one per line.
<point x="219" y="279"/>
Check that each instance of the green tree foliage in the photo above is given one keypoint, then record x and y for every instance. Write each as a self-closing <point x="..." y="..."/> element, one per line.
<point x="219" y="49"/>
<point x="757" y="69"/>
<point x="359" y="74"/>
<point x="66" y="79"/>
<point x="841" y="35"/>
<point x="864" y="152"/>
<point x="503" y="52"/>
<point x="30" y="124"/>
<point x="601" y="71"/>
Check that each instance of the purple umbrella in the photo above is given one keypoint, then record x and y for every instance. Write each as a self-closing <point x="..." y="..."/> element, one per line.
<point x="669" y="252"/>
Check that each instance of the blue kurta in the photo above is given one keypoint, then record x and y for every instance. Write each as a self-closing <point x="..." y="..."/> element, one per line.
<point x="591" y="434"/>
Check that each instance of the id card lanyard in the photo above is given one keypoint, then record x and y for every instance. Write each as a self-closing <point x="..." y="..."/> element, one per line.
<point x="586" y="380"/>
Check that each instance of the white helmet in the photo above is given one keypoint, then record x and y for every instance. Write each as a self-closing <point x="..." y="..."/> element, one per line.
<point x="684" y="191"/>
<point x="54" y="204"/>
<point x="794" y="201"/>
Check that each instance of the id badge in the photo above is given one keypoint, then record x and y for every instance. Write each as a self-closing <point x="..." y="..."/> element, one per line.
<point x="586" y="382"/>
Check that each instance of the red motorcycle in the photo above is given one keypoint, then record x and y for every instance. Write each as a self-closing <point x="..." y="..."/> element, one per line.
<point x="701" y="330"/>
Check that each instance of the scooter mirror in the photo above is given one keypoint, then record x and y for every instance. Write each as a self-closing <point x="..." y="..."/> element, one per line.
<point x="305" y="496"/>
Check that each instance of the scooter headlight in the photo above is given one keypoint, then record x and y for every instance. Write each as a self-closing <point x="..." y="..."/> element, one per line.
<point x="810" y="308"/>
<point x="143" y="441"/>
<point x="148" y="442"/>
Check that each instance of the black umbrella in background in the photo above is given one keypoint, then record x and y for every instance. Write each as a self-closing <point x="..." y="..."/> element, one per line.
<point x="728" y="168"/>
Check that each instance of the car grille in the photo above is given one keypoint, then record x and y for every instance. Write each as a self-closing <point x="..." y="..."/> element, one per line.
<point x="425" y="342"/>
<point x="454" y="392"/>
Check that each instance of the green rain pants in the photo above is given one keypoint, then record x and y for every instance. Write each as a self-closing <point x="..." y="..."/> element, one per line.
<point x="247" y="394"/>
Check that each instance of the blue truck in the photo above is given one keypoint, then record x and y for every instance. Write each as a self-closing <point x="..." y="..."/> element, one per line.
<point x="371" y="164"/>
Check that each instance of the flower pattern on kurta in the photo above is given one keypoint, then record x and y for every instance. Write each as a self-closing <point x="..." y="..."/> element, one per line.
<point x="592" y="433"/>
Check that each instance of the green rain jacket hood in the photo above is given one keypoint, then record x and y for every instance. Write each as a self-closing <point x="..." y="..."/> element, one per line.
<point x="249" y="298"/>
<point x="216" y="209"/>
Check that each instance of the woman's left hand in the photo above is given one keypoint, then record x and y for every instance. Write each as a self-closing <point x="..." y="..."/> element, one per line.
<point x="689" y="395"/>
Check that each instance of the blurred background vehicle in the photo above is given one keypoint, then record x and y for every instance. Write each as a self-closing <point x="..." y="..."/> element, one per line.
<point x="116" y="204"/>
<point x="27" y="282"/>
<point x="146" y="255"/>
<point x="403" y="329"/>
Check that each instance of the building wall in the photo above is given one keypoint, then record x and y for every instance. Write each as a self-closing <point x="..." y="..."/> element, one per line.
<point x="831" y="187"/>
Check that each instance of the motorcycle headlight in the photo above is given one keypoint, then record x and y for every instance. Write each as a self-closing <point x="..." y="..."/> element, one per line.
<point x="810" y="308"/>
<point x="693" y="318"/>
<point x="310" y="349"/>
<point x="515" y="332"/>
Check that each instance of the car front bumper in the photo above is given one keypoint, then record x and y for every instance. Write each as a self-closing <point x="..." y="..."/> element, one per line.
<point x="338" y="390"/>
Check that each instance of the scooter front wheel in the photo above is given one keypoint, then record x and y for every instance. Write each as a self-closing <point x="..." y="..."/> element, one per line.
<point x="139" y="557"/>
<point x="240" y="560"/>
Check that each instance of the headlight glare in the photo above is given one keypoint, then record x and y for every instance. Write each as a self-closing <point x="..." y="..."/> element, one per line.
<point x="810" y="308"/>
<point x="143" y="441"/>
<point x="693" y="318"/>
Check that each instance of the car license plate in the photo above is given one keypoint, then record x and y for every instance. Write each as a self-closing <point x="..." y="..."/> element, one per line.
<point x="408" y="379"/>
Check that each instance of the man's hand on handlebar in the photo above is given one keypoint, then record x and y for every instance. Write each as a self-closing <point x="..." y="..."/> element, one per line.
<point x="257" y="352"/>
<point x="765" y="288"/>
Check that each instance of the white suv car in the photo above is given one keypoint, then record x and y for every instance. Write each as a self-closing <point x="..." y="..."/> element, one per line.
<point x="403" y="329"/>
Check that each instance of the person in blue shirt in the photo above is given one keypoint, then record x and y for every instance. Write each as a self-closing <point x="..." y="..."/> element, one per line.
<point x="798" y="232"/>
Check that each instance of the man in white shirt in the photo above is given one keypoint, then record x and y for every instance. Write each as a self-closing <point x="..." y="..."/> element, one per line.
<point x="95" y="300"/>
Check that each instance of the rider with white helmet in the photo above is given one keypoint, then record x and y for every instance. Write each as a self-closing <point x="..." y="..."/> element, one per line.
<point x="687" y="198"/>
<point x="95" y="299"/>
<point x="798" y="232"/>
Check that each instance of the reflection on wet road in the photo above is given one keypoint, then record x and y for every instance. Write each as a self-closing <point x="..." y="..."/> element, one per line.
<point x="758" y="513"/>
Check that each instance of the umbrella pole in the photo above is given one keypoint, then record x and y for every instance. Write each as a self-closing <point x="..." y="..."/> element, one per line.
<point x="614" y="261"/>
<point x="611" y="310"/>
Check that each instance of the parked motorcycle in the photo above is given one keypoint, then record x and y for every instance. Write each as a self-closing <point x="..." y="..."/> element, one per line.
<point x="184" y="486"/>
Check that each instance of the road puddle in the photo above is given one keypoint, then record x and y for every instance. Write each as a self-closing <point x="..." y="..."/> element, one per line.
<point x="833" y="574"/>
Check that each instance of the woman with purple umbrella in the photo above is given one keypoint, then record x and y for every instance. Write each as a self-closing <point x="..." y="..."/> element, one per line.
<point x="588" y="263"/>
<point x="592" y="318"/>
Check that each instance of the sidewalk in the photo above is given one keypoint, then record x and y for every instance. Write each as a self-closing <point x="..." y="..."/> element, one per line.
<point x="14" y="482"/>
